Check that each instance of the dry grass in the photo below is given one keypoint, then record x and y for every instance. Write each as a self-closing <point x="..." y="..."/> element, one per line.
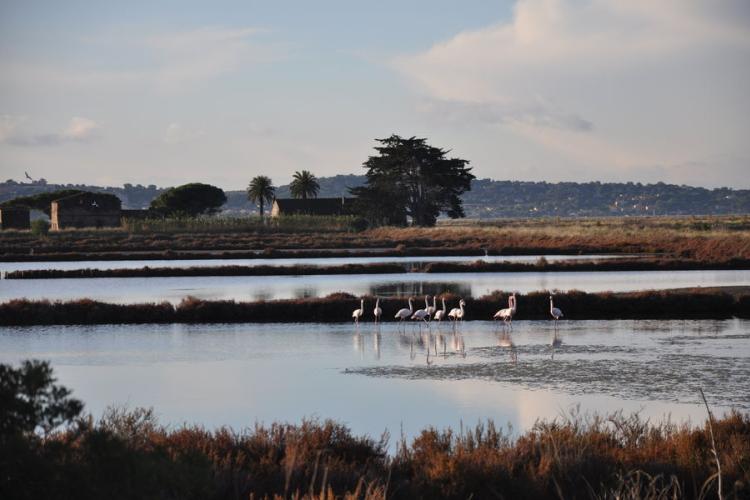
<point x="541" y="265"/>
<point x="151" y="272"/>
<point x="662" y="304"/>
<point x="702" y="238"/>
<point x="129" y="455"/>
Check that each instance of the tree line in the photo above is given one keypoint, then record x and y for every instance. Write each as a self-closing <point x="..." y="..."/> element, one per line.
<point x="407" y="179"/>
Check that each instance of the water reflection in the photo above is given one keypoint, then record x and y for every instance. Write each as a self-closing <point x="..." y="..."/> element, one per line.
<point x="306" y="292"/>
<point x="376" y="342"/>
<point x="556" y="341"/>
<point x="130" y="290"/>
<point x="257" y="296"/>
<point x="419" y="289"/>
<point x="410" y="262"/>
<point x="239" y="374"/>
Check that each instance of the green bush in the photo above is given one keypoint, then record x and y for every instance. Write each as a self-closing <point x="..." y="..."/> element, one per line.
<point x="39" y="227"/>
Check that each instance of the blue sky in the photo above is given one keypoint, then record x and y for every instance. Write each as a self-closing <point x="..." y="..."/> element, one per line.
<point x="557" y="90"/>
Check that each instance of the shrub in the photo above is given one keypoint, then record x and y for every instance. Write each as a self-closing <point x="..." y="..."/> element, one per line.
<point x="39" y="227"/>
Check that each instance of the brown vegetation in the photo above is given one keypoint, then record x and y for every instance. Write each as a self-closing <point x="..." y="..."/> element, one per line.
<point x="664" y="304"/>
<point x="156" y="272"/>
<point x="129" y="455"/>
<point x="542" y="265"/>
<point x="702" y="238"/>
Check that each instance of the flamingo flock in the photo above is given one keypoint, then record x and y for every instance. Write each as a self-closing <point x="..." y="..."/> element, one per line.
<point x="431" y="313"/>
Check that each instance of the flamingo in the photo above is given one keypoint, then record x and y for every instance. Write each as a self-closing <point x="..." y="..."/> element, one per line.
<point x="377" y="312"/>
<point x="439" y="315"/>
<point x="554" y="311"/>
<point x="358" y="313"/>
<point x="507" y="314"/>
<point x="422" y="314"/>
<point x="433" y="308"/>
<point x="457" y="313"/>
<point x="404" y="313"/>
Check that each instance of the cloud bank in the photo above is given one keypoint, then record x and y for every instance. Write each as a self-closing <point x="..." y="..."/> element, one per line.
<point x="15" y="130"/>
<point x="606" y="84"/>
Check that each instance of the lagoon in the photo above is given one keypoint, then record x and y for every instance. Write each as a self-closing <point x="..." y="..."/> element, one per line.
<point x="385" y="379"/>
<point x="251" y="288"/>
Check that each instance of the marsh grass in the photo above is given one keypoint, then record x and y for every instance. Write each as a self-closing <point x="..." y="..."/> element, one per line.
<point x="652" y="304"/>
<point x="128" y="454"/>
<point x="705" y="238"/>
<point x="541" y="265"/>
<point x="151" y="272"/>
<point x="223" y="224"/>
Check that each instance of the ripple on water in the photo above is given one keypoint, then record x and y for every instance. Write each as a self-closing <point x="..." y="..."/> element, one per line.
<point x="670" y="377"/>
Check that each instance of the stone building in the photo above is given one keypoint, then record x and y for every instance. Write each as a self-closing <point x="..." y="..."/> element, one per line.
<point x="86" y="210"/>
<point x="14" y="218"/>
<point x="311" y="206"/>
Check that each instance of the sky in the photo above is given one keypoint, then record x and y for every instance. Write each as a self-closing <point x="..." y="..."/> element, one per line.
<point x="143" y="92"/>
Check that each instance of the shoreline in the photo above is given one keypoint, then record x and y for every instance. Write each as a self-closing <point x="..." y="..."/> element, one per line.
<point x="604" y="264"/>
<point x="693" y="303"/>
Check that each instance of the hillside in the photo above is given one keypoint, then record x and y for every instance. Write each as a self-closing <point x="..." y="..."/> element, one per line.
<point x="488" y="198"/>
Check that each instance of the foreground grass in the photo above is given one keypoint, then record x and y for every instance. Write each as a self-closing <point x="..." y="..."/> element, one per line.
<point x="702" y="238"/>
<point x="697" y="303"/>
<point x="127" y="454"/>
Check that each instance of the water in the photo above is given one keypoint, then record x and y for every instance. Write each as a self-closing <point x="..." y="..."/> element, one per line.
<point x="133" y="290"/>
<point x="310" y="261"/>
<point x="376" y="380"/>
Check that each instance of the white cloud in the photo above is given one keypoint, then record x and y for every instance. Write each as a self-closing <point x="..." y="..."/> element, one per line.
<point x="176" y="133"/>
<point x="16" y="131"/>
<point x="80" y="129"/>
<point x="609" y="84"/>
<point x="204" y="53"/>
<point x="8" y="127"/>
<point x="167" y="61"/>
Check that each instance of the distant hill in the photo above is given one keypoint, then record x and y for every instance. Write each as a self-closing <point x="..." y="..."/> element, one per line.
<point x="132" y="196"/>
<point x="490" y="199"/>
<point x="487" y="198"/>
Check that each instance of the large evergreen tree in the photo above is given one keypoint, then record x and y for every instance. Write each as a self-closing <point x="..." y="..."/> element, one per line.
<point x="409" y="178"/>
<point x="190" y="199"/>
<point x="260" y="191"/>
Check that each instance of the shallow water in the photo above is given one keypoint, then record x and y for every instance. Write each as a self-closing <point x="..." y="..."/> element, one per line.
<point x="310" y="261"/>
<point x="375" y="380"/>
<point x="133" y="290"/>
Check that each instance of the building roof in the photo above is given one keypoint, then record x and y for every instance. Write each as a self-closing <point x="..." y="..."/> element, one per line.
<point x="314" y="206"/>
<point x="102" y="201"/>
<point x="14" y="208"/>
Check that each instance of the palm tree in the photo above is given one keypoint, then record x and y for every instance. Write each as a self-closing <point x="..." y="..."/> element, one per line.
<point x="261" y="190"/>
<point x="304" y="184"/>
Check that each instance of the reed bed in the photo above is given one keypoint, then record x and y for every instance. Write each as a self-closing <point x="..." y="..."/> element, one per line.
<point x="158" y="272"/>
<point x="128" y="454"/>
<point x="542" y="265"/>
<point x="223" y="224"/>
<point x="664" y="304"/>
